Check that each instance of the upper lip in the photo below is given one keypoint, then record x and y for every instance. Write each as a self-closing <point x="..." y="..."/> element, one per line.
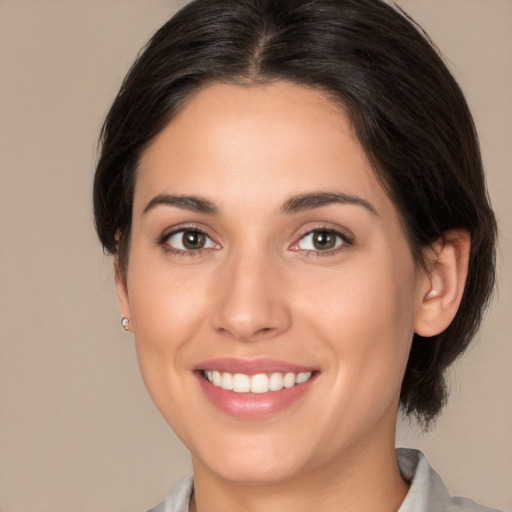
<point x="251" y="366"/>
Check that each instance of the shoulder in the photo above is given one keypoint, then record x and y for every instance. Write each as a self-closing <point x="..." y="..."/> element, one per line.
<point x="179" y="499"/>
<point x="428" y="491"/>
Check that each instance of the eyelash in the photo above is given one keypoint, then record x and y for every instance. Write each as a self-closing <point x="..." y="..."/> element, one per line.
<point x="164" y="239"/>
<point x="346" y="240"/>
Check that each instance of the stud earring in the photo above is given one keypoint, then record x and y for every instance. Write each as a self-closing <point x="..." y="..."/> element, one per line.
<point x="124" y="323"/>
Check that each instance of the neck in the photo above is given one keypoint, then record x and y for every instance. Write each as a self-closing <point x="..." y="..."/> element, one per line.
<point x="366" y="480"/>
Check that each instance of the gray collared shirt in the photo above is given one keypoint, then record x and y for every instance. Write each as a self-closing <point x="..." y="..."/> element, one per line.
<point x="426" y="494"/>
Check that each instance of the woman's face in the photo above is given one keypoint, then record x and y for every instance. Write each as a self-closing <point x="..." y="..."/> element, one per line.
<point x="265" y="253"/>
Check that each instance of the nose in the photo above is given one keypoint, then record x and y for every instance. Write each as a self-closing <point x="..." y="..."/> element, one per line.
<point x="252" y="300"/>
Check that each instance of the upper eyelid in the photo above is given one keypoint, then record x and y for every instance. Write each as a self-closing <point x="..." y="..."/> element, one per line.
<point x="314" y="230"/>
<point x="344" y="233"/>
<point x="185" y="227"/>
<point x="346" y="236"/>
<point x="163" y="242"/>
<point x="172" y="231"/>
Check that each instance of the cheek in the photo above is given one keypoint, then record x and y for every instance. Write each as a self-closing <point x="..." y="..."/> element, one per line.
<point x="163" y="306"/>
<point x="166" y="313"/>
<point x="366" y="316"/>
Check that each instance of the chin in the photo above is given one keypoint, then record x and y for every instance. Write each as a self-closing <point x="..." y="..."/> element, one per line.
<point x="251" y="472"/>
<point x="252" y="460"/>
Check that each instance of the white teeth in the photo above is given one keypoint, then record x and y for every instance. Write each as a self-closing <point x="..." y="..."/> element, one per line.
<point x="217" y="377"/>
<point x="276" y="382"/>
<point x="259" y="383"/>
<point x="227" y="381"/>
<point x="289" y="380"/>
<point x="302" y="377"/>
<point x="241" y="383"/>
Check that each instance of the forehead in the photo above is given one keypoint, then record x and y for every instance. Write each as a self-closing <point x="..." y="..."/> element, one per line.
<point x="239" y="142"/>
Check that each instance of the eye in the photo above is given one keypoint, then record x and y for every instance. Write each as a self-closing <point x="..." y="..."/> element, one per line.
<point x="321" y="240"/>
<point x="187" y="240"/>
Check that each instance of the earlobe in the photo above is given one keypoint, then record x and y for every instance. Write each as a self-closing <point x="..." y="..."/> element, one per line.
<point x="441" y="294"/>
<point x="121" y="290"/>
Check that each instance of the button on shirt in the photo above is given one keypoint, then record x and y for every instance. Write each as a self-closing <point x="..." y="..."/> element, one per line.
<point x="426" y="494"/>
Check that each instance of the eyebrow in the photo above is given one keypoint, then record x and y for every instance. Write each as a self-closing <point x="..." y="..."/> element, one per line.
<point x="318" y="199"/>
<point x="191" y="203"/>
<point x="293" y="205"/>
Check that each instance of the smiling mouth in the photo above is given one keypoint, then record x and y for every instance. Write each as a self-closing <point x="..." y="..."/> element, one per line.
<point x="258" y="383"/>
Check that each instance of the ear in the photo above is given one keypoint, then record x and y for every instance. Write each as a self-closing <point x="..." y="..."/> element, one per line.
<point x="441" y="290"/>
<point x="122" y="290"/>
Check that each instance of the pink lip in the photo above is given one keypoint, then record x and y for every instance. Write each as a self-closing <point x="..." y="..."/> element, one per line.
<point x="251" y="366"/>
<point x="252" y="405"/>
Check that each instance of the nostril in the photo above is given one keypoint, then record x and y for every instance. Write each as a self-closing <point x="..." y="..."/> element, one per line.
<point x="264" y="330"/>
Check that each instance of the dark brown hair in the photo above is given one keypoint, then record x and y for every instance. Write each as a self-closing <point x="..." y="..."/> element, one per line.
<point x="405" y="107"/>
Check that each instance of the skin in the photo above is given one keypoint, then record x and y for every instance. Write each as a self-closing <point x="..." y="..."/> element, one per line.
<point x="260" y="289"/>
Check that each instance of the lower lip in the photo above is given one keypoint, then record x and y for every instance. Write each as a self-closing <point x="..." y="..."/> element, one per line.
<point x="252" y="405"/>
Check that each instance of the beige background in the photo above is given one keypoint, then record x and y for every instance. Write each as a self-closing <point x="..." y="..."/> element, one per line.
<point x="77" y="431"/>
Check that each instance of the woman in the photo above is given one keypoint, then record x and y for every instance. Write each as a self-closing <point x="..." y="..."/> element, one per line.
<point x="294" y="197"/>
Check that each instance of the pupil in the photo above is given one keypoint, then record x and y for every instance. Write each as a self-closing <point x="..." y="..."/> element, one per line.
<point x="324" y="240"/>
<point x="193" y="240"/>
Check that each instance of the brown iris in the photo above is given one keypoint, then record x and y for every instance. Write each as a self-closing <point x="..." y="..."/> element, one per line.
<point x="193" y="240"/>
<point x="324" y="240"/>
